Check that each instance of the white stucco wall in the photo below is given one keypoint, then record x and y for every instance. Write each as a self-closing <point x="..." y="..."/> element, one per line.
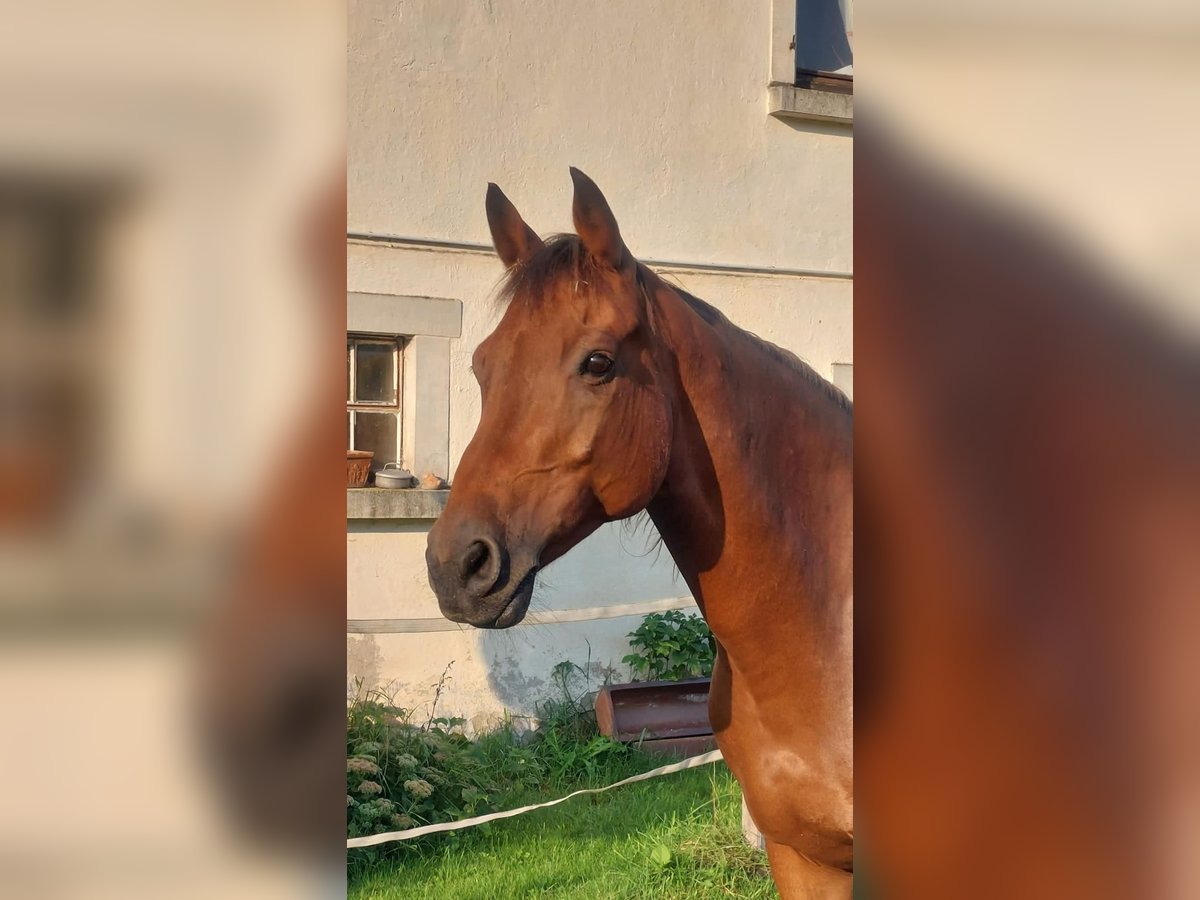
<point x="667" y="111"/>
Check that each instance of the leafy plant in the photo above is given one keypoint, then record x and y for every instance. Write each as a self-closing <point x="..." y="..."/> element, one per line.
<point x="401" y="774"/>
<point x="671" y="646"/>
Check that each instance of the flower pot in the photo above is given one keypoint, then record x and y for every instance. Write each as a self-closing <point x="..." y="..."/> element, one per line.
<point x="358" y="467"/>
<point x="669" y="717"/>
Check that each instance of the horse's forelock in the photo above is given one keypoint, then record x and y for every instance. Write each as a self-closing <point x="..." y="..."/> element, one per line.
<point x="530" y="282"/>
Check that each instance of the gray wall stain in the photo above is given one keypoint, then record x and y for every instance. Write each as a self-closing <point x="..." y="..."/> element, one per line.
<point x="362" y="661"/>
<point x="518" y="691"/>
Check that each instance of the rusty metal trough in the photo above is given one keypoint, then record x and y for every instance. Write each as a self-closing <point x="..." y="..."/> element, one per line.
<point x="667" y="717"/>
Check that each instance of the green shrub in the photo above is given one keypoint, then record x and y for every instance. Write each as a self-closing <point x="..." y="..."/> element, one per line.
<point x="671" y="646"/>
<point x="401" y="774"/>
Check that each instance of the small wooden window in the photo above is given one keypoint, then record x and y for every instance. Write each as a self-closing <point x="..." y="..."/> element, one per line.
<point x="373" y="396"/>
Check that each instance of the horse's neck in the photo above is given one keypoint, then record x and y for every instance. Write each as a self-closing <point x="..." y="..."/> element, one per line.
<point x="755" y="507"/>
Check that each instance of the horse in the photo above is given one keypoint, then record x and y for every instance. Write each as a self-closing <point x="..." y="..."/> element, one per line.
<point x="269" y="701"/>
<point x="1027" y="512"/>
<point x="607" y="392"/>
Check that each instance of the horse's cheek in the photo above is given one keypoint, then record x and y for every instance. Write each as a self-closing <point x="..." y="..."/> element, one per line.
<point x="639" y="458"/>
<point x="657" y="442"/>
<point x="622" y="486"/>
<point x="651" y="451"/>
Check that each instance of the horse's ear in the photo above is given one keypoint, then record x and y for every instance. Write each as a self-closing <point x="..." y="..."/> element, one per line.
<point x="595" y="223"/>
<point x="514" y="240"/>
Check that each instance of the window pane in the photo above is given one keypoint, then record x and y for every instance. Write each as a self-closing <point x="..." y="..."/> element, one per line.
<point x="821" y="41"/>
<point x="376" y="431"/>
<point x="375" y="375"/>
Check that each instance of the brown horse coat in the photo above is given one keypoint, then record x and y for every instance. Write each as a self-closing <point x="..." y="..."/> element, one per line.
<point x="606" y="392"/>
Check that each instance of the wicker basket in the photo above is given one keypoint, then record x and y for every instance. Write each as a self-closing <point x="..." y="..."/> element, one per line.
<point x="358" y="467"/>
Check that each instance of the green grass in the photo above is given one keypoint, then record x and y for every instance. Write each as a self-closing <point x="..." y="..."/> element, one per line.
<point x="677" y="837"/>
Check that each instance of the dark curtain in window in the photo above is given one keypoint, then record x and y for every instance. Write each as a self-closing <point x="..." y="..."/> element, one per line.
<point x="821" y="42"/>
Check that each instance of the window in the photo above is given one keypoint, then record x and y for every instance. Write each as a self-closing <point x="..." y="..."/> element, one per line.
<point x="373" y="395"/>
<point x="398" y="387"/>
<point x="54" y="268"/>
<point x="822" y="40"/>
<point x="812" y="63"/>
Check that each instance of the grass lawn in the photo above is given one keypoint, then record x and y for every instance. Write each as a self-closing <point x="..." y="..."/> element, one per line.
<point x="673" y="837"/>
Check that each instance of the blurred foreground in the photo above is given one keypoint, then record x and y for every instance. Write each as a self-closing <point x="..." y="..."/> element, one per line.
<point x="1028" y="456"/>
<point x="171" y="543"/>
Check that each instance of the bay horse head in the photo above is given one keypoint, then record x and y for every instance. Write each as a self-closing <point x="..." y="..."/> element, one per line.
<point x="576" y="421"/>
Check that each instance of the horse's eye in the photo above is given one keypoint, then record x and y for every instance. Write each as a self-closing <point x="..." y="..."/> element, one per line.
<point x="598" y="364"/>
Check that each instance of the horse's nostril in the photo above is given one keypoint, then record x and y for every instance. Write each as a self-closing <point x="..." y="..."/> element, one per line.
<point x="475" y="559"/>
<point x="464" y="568"/>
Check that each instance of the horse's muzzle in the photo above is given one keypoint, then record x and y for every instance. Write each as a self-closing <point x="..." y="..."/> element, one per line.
<point x="474" y="580"/>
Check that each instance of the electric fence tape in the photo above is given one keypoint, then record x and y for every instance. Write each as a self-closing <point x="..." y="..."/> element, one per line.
<point x="409" y="834"/>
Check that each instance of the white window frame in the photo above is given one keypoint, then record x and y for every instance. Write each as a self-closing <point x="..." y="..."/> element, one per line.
<point x="353" y="407"/>
<point x="427" y="324"/>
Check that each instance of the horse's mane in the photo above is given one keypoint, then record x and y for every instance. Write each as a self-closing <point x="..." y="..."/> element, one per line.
<point x="530" y="282"/>
<point x="714" y="316"/>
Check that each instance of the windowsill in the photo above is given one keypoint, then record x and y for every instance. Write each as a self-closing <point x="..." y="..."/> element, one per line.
<point x="811" y="104"/>
<point x="394" y="503"/>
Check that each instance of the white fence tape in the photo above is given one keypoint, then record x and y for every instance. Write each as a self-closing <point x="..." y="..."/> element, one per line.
<point x="407" y="835"/>
<point x="535" y="617"/>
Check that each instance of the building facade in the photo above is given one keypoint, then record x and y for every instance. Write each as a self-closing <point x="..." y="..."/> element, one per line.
<point x="729" y="172"/>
